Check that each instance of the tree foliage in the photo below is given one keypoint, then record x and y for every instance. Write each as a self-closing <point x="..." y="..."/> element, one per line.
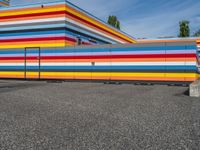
<point x="184" y="28"/>
<point x="113" y="21"/>
<point x="197" y="34"/>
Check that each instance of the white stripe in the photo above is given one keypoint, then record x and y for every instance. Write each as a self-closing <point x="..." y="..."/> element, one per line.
<point x="120" y="64"/>
<point x="104" y="64"/>
<point x="33" y="21"/>
<point x="19" y="64"/>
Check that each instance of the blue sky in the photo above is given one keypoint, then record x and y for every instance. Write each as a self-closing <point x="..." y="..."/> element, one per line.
<point x="147" y="18"/>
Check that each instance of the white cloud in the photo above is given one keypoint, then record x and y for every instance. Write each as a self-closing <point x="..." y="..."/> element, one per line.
<point x="149" y="18"/>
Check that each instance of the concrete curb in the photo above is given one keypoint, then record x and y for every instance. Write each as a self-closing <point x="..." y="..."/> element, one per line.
<point x="195" y="89"/>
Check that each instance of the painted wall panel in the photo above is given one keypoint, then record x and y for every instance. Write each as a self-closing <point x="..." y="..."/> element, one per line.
<point x="146" y="62"/>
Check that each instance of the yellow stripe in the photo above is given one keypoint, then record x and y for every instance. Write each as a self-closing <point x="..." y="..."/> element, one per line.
<point x="139" y="74"/>
<point x="11" y="73"/>
<point x="103" y="74"/>
<point x="31" y="11"/>
<point x="32" y="73"/>
<point x="34" y="45"/>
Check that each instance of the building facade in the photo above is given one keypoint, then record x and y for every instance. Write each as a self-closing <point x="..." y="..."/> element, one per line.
<point x="56" y="24"/>
<point x="42" y="41"/>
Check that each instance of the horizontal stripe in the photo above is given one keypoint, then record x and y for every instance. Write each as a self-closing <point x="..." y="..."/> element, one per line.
<point x="31" y="36"/>
<point x="109" y="68"/>
<point x="162" y="60"/>
<point x="121" y="67"/>
<point x="106" y="56"/>
<point x="35" y="17"/>
<point x="119" y="56"/>
<point x="136" y="74"/>
<point x="38" y="39"/>
<point x="18" y="11"/>
<point x="51" y="32"/>
<point x="109" y="49"/>
<point x="115" y="53"/>
<point x="31" y="15"/>
<point x="102" y="70"/>
<point x="32" y="24"/>
<point x="25" y="28"/>
<point x="127" y="48"/>
<point x="35" y="45"/>
<point x="100" y="57"/>
<point x="105" y="64"/>
<point x="32" y="21"/>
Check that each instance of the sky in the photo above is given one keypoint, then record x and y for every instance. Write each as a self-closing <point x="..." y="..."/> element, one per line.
<point x="141" y="18"/>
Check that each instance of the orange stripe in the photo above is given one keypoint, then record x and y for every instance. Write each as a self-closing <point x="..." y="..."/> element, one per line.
<point x="11" y="76"/>
<point x="31" y="9"/>
<point x="120" y="78"/>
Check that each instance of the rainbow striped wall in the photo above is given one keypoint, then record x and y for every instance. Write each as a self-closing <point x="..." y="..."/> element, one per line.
<point x="56" y="24"/>
<point x="4" y="3"/>
<point x="198" y="47"/>
<point x="146" y="62"/>
<point x="175" y="40"/>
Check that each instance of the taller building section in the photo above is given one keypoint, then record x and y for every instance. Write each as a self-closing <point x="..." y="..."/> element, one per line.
<point x="56" y="24"/>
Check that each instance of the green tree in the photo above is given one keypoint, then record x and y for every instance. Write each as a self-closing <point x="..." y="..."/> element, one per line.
<point x="184" y="28"/>
<point x="113" y="21"/>
<point x="197" y="34"/>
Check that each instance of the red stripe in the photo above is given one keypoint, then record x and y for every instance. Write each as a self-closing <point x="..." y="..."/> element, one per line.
<point x="103" y="56"/>
<point x="33" y="15"/>
<point x="86" y="43"/>
<point x="120" y="56"/>
<point x="39" y="39"/>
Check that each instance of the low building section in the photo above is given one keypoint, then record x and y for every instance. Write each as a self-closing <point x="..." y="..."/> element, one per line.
<point x="141" y="62"/>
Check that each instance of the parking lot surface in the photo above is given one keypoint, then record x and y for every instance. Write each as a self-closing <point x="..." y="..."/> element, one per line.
<point x="40" y="115"/>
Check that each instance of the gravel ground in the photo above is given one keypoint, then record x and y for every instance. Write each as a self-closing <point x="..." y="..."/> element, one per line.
<point x="95" y="116"/>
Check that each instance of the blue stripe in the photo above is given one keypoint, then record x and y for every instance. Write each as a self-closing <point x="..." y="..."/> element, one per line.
<point x="160" y="48"/>
<point x="108" y="68"/>
<point x="20" y="51"/>
<point x="33" y="27"/>
<point x="32" y="33"/>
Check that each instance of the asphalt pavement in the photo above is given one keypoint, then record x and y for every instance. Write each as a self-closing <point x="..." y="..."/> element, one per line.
<point x="40" y="115"/>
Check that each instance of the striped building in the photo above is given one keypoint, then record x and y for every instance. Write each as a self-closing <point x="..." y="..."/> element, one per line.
<point x="38" y="42"/>
<point x="147" y="62"/>
<point x="174" y="40"/>
<point x="57" y="24"/>
<point x="198" y="52"/>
